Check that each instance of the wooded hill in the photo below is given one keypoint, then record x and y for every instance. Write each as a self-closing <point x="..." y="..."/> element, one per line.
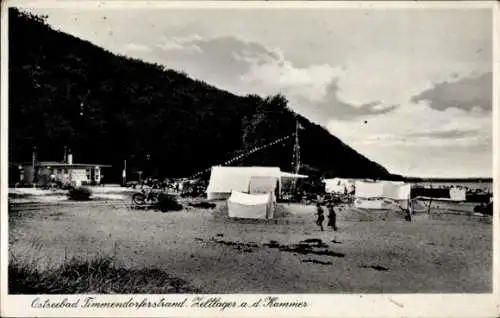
<point x="107" y="108"/>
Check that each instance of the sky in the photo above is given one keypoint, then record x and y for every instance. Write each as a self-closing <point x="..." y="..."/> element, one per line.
<point x="408" y="88"/>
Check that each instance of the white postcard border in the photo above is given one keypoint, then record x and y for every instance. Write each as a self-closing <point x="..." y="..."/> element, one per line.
<point x="319" y="305"/>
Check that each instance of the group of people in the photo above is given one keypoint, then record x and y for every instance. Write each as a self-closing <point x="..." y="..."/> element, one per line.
<point x="332" y="216"/>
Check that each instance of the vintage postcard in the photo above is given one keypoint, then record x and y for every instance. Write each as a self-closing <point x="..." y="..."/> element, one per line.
<point x="249" y="159"/>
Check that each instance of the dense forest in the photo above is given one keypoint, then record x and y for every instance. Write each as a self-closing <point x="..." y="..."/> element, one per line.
<point x="64" y="91"/>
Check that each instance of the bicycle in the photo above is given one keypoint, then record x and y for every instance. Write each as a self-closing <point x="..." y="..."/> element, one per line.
<point x="147" y="196"/>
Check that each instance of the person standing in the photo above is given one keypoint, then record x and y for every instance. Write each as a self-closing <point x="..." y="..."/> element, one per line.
<point x="321" y="216"/>
<point x="409" y="211"/>
<point x="332" y="216"/>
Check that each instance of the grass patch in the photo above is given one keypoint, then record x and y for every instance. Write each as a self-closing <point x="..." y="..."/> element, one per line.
<point x="168" y="202"/>
<point x="98" y="276"/>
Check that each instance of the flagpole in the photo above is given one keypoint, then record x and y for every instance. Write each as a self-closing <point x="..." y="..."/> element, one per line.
<point x="297" y="147"/>
<point x="296" y="154"/>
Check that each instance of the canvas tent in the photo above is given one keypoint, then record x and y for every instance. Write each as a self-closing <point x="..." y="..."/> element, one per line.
<point x="457" y="194"/>
<point x="251" y="206"/>
<point x="383" y="189"/>
<point x="381" y="194"/>
<point x="224" y="180"/>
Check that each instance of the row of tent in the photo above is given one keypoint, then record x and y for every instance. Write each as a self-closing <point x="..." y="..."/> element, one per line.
<point x="382" y="194"/>
<point x="251" y="192"/>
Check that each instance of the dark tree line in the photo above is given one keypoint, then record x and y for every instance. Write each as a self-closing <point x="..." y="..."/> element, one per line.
<point x="107" y="108"/>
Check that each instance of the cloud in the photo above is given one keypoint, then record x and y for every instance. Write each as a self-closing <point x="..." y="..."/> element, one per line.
<point x="185" y="44"/>
<point x="276" y="74"/>
<point x="220" y="61"/>
<point x="466" y="93"/>
<point x="446" y="134"/>
<point x="332" y="106"/>
<point x="423" y="141"/>
<point x="135" y="47"/>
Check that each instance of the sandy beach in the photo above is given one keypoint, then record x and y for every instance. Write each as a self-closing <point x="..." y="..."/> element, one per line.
<point x="384" y="254"/>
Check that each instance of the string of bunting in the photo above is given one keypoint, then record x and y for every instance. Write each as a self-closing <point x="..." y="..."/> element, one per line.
<point x="244" y="155"/>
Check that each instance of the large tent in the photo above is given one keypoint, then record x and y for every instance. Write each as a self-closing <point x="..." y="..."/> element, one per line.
<point x="224" y="180"/>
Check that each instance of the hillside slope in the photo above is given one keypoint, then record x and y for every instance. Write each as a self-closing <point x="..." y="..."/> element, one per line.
<point x="107" y="108"/>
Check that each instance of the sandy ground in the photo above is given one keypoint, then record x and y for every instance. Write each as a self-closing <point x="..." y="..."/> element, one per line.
<point x="217" y="255"/>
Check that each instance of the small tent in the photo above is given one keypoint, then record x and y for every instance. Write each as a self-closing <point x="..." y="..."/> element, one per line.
<point x="224" y="180"/>
<point x="251" y="206"/>
<point x="457" y="194"/>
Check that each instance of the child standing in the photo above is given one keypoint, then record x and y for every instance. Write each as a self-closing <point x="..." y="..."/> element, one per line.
<point x="321" y="216"/>
<point x="332" y="216"/>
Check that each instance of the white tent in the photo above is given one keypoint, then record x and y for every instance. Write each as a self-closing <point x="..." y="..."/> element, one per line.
<point x="457" y="194"/>
<point x="396" y="190"/>
<point x="224" y="180"/>
<point x="251" y="206"/>
<point x="381" y="194"/>
<point x="365" y="189"/>
<point x="383" y="189"/>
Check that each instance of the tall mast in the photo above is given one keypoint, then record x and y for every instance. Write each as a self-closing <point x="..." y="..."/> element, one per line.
<point x="296" y="148"/>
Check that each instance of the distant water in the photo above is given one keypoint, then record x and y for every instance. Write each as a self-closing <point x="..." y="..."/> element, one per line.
<point x="485" y="186"/>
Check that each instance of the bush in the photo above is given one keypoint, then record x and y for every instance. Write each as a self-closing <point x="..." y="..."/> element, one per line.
<point x="79" y="194"/>
<point x="168" y="202"/>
